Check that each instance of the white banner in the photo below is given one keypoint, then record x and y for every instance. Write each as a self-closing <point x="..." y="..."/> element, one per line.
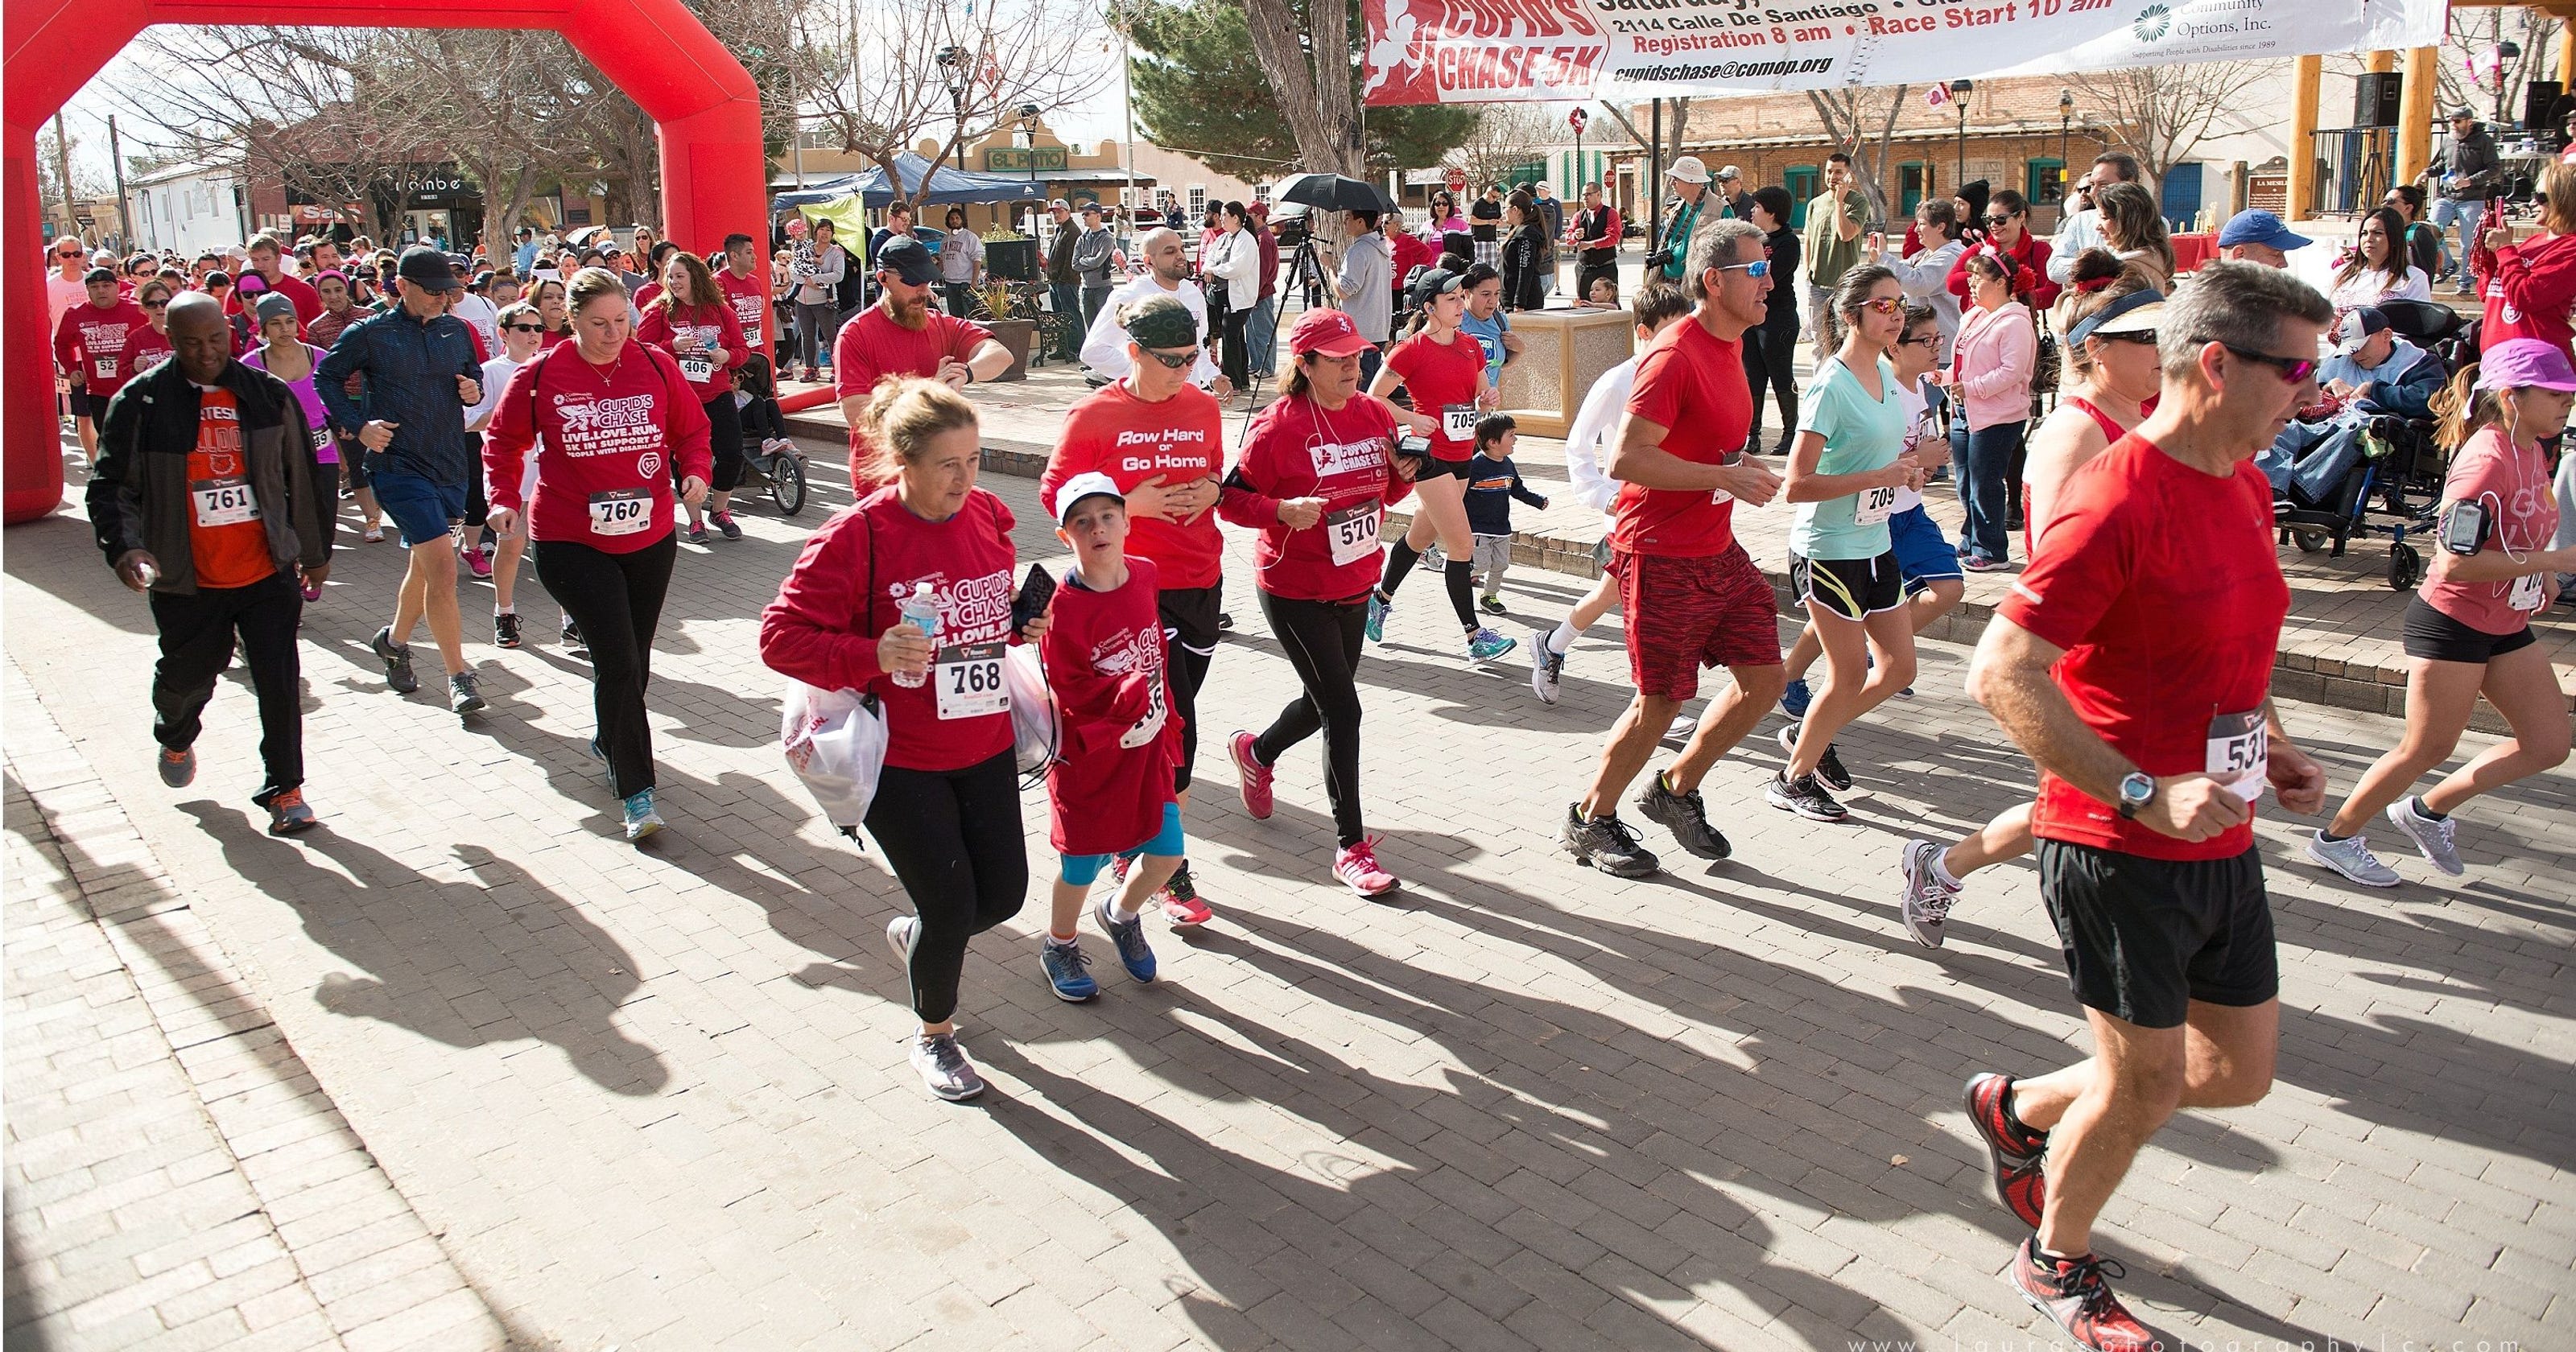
<point x="1509" y="51"/>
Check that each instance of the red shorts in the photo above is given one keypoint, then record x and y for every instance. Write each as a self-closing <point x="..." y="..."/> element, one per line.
<point x="1684" y="614"/>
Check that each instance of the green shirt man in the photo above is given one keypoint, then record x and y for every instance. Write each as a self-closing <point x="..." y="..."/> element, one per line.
<point x="1834" y="220"/>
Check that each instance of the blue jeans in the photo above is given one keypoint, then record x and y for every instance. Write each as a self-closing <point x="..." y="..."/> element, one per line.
<point x="1264" y="335"/>
<point x="2468" y="213"/>
<point x="1065" y="298"/>
<point x="1985" y="473"/>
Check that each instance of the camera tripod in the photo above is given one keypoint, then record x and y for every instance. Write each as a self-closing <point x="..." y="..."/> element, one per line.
<point x="1305" y="272"/>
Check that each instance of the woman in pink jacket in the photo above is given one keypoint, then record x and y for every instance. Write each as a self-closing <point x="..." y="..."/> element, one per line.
<point x="1989" y="381"/>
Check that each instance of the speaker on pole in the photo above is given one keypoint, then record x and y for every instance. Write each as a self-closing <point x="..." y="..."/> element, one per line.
<point x="2540" y="105"/>
<point x="2377" y="99"/>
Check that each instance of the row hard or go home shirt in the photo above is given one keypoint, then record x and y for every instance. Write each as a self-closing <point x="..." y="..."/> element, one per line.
<point x="1691" y="383"/>
<point x="226" y="538"/>
<point x="1180" y="440"/>
<point x="2161" y="584"/>
<point x="1861" y="435"/>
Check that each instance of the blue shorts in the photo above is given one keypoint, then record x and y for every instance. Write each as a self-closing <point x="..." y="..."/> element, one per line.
<point x="1082" y="870"/>
<point x="420" y="509"/>
<point x="1923" y="554"/>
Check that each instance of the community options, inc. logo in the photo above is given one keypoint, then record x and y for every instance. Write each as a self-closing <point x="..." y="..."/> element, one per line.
<point x="2153" y="23"/>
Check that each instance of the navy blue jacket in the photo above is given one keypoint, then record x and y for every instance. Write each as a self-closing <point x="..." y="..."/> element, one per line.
<point x="1491" y="485"/>
<point x="411" y="367"/>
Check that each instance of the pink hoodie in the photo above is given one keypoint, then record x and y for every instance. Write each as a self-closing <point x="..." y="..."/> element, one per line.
<point x="1996" y="352"/>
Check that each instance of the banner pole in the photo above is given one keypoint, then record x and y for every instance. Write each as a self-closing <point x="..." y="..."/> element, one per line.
<point x="1650" y="192"/>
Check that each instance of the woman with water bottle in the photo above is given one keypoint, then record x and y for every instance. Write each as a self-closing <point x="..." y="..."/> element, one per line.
<point x="947" y="806"/>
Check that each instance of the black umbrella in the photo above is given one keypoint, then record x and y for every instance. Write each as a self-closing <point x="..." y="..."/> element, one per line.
<point x="1333" y="192"/>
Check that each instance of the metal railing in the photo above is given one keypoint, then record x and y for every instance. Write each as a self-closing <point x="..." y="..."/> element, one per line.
<point x="2354" y="167"/>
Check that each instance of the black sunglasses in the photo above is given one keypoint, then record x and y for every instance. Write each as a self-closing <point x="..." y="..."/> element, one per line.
<point x="2145" y="336"/>
<point x="1999" y="220"/>
<point x="1173" y="361"/>
<point x="1923" y="339"/>
<point x="2292" y="369"/>
<point x="524" y="328"/>
<point x="156" y="305"/>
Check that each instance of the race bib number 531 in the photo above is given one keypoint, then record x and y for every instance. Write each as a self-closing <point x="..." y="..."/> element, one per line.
<point x="2240" y="750"/>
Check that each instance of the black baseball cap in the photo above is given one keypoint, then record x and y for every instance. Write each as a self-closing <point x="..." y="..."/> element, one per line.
<point x="908" y="259"/>
<point x="426" y="268"/>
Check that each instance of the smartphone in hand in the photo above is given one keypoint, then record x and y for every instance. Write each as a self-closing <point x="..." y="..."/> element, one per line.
<point x="1036" y="590"/>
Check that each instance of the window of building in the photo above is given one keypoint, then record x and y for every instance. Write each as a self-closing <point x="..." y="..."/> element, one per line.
<point x="1803" y="181"/>
<point x="2045" y="183"/>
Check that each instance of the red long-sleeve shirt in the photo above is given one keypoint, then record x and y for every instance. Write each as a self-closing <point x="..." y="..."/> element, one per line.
<point x="605" y="440"/>
<point x="714" y="325"/>
<point x="1104" y="660"/>
<point x="2530" y="288"/>
<point x="2030" y="284"/>
<point x="1346" y="457"/>
<point x="92" y="340"/>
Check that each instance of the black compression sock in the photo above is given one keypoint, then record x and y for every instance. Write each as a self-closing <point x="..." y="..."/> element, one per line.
<point x="1399" y="561"/>
<point x="2429" y="814"/>
<point x="1462" y="592"/>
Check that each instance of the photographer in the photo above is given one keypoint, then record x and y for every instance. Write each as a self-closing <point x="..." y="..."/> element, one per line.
<point x="1689" y="180"/>
<point x="2082" y="228"/>
<point x="1366" y="286"/>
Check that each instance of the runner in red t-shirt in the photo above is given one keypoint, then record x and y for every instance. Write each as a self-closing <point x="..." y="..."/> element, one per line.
<point x="89" y="348"/>
<point x="692" y="320"/>
<point x="746" y="288"/>
<point x="1162" y="441"/>
<point x="2133" y="660"/>
<point x="947" y="804"/>
<point x="902" y="336"/>
<point x="1442" y="367"/>
<point x="1110" y="789"/>
<point x="2468" y="630"/>
<point x="1691" y="594"/>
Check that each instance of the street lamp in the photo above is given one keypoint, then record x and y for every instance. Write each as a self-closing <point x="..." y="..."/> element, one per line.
<point x="952" y="72"/>
<point x="1959" y="92"/>
<point x="2507" y="50"/>
<point x="2065" y="167"/>
<point x="1029" y="130"/>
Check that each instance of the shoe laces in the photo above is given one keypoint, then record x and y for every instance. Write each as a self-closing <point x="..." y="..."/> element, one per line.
<point x="1619" y="831"/>
<point x="2086" y="1277"/>
<point x="639" y="803"/>
<point x="945" y="1055"/>
<point x="1180" y="888"/>
<point x="1071" y="955"/>
<point x="1362" y="855"/>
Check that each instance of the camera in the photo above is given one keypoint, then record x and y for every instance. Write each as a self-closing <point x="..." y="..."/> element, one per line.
<point x="1660" y="258"/>
<point x="1294" y="231"/>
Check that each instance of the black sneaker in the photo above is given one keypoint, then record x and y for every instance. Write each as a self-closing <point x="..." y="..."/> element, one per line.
<point x="1225" y="621"/>
<point x="1685" y="816"/>
<point x="397" y="660"/>
<point x="1606" y="844"/>
<point x="505" y="629"/>
<point x="571" y="635"/>
<point x="1829" y="767"/>
<point x="1805" y="797"/>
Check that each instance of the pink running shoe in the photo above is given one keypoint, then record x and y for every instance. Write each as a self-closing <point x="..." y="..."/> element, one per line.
<point x="1182" y="905"/>
<point x="478" y="563"/>
<point x="1358" y="869"/>
<point x="1255" y="775"/>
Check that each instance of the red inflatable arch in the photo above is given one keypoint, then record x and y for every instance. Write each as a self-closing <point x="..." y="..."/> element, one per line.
<point x="714" y="174"/>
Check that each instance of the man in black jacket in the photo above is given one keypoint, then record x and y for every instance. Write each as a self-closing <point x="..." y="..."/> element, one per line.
<point x="208" y="498"/>
<point x="1064" y="285"/>
<point x="2466" y="177"/>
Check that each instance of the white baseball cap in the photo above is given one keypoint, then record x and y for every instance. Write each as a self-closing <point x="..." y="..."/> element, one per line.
<point x="1687" y="169"/>
<point x="1072" y="491"/>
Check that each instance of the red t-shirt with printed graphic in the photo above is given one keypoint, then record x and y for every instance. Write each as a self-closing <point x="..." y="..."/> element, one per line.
<point x="226" y="538"/>
<point x="1104" y="659"/>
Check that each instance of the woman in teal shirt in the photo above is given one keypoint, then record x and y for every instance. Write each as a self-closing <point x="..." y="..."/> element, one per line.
<point x="1844" y="472"/>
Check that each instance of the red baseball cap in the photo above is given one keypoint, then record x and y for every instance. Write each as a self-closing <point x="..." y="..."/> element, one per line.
<point x="1329" y="332"/>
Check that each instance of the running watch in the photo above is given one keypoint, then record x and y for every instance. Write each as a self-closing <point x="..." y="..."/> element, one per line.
<point x="2137" y="790"/>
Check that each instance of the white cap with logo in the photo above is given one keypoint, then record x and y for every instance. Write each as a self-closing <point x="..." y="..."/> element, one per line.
<point x="1687" y="169"/>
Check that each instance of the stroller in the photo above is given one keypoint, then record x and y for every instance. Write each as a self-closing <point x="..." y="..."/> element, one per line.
<point x="770" y="457"/>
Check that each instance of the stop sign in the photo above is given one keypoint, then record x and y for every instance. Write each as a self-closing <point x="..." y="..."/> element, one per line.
<point x="1457" y="179"/>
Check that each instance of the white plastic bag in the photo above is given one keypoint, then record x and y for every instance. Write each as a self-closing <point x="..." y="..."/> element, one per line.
<point x="1037" y="729"/>
<point x="836" y="743"/>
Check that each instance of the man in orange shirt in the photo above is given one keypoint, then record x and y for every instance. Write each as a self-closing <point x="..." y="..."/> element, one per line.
<point x="208" y="498"/>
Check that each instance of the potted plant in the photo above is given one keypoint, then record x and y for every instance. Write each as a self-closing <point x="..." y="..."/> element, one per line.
<point x="1010" y="329"/>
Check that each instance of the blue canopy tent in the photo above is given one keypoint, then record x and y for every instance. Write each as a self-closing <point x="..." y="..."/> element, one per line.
<point x="946" y="185"/>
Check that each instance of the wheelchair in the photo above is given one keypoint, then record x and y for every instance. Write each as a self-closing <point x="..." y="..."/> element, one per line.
<point x="2399" y="474"/>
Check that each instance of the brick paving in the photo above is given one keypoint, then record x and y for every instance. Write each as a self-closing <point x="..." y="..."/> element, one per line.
<point x="656" y="1099"/>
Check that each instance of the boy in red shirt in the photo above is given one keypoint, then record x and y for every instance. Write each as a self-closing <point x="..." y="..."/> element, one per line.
<point x="1111" y="787"/>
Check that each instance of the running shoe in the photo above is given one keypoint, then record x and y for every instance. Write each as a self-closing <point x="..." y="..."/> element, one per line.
<point x="1978" y="563"/>
<point x="1492" y="605"/>
<point x="477" y="562"/>
<point x="570" y="634"/>
<point x="1254" y="775"/>
<point x="2017" y="1151"/>
<point x="641" y="819"/>
<point x="287" y="812"/>
<point x="2352" y="858"/>
<point x="726" y="527"/>
<point x="1829" y="767"/>
<point x="374" y="535"/>
<point x="1795" y="698"/>
<point x="944" y="1067"/>
<point x="505" y="629"/>
<point x="1068" y="970"/>
<point x="465" y="694"/>
<point x="1547" y="667"/>
<point x="1225" y="621"/>
<point x="1685" y="816"/>
<point x="2433" y="838"/>
<point x="1129" y="937"/>
<point x="903" y="934"/>
<point x="1182" y="905"/>
<point x="1377" y="613"/>
<point x="178" y="768"/>
<point x="2073" y="1292"/>
<point x="1927" y="898"/>
<point x="1605" y="843"/>
<point x="1485" y="645"/>
<point x="397" y="660"/>
<point x="1806" y="797"/>
<point x="1358" y="869"/>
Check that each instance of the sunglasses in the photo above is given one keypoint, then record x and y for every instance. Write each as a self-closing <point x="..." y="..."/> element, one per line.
<point x="67" y="253"/>
<point x="1885" y="305"/>
<point x="2144" y="336"/>
<point x="1919" y="340"/>
<point x="2292" y="369"/>
<point x="524" y="328"/>
<point x="156" y="305"/>
<point x="1173" y="361"/>
<point x="1999" y="220"/>
<point x="1760" y="267"/>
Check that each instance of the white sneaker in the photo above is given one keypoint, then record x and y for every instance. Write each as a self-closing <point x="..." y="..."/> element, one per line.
<point x="1547" y="667"/>
<point x="1927" y="898"/>
<point x="2352" y="858"/>
<point x="944" y="1067"/>
<point x="2432" y="838"/>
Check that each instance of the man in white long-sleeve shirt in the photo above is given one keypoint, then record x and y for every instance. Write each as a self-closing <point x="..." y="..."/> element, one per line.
<point x="1926" y="275"/>
<point x="1167" y="273"/>
<point x="1596" y="423"/>
<point x="2083" y="227"/>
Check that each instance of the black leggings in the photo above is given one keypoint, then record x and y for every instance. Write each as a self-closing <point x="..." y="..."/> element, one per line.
<point x="1322" y="640"/>
<point x="1234" y="350"/>
<point x="197" y="644"/>
<point x="724" y="437"/>
<point x="953" y="837"/>
<point x="1459" y="574"/>
<point x="761" y="418"/>
<point x="617" y="601"/>
<point x="1769" y="361"/>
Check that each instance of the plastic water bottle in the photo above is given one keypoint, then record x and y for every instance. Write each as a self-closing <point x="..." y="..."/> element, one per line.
<point x="921" y="611"/>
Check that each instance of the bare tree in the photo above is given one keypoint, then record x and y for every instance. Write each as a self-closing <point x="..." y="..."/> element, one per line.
<point x="1677" y="113"/>
<point x="2475" y="32"/>
<point x="1507" y="137"/>
<point x="1305" y="49"/>
<point x="1862" y="122"/>
<point x="2160" y="113"/>
<point x="875" y="79"/>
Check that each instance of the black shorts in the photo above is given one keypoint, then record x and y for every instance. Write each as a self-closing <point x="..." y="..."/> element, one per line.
<point x="2146" y="937"/>
<point x="1189" y="616"/>
<point x="2437" y="637"/>
<point x="80" y="402"/>
<point x="1436" y="468"/>
<point x="1852" y="588"/>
